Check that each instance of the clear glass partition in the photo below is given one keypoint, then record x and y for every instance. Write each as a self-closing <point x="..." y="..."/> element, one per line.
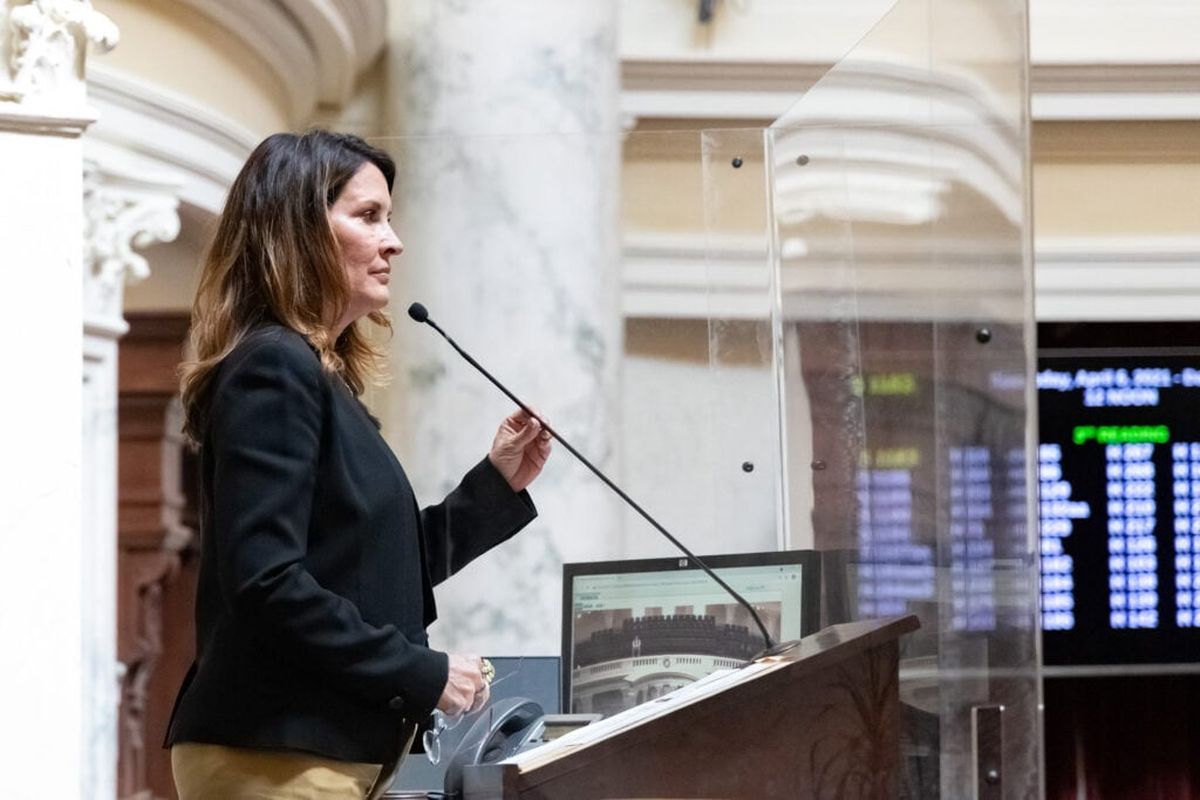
<point x="899" y="188"/>
<point x="701" y="402"/>
<point x="811" y="335"/>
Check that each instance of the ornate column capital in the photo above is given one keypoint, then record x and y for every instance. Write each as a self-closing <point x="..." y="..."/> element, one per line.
<point x="121" y="212"/>
<point x="43" y="51"/>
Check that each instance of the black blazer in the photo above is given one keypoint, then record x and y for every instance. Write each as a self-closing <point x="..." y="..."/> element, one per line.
<point x="317" y="566"/>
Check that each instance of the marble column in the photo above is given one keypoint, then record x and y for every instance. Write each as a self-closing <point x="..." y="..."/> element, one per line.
<point x="50" y="723"/>
<point x="507" y="131"/>
<point x="121" y="210"/>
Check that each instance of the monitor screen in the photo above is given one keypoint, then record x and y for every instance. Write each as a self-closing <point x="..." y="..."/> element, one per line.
<point x="1119" y="496"/>
<point x="635" y="630"/>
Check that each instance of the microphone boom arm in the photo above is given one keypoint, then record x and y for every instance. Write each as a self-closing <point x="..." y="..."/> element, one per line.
<point x="422" y="315"/>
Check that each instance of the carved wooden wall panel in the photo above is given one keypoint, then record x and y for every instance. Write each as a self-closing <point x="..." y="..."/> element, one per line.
<point x="156" y="547"/>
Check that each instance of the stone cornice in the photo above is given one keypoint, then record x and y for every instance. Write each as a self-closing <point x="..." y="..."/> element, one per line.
<point x="1118" y="278"/>
<point x="748" y="89"/>
<point x="1076" y="278"/>
<point x="72" y="124"/>
<point x="1131" y="91"/>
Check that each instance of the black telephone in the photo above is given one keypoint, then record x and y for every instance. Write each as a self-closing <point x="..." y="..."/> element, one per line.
<point x="502" y="730"/>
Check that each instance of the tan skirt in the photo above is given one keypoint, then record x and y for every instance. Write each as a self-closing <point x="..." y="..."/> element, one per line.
<point x="214" y="772"/>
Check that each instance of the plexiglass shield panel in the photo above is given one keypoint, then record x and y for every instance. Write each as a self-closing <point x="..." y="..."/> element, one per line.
<point x="620" y="283"/>
<point x="698" y="379"/>
<point x="899" y="191"/>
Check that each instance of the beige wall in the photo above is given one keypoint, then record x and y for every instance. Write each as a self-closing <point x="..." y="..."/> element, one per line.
<point x="1117" y="178"/>
<point x="1089" y="179"/>
<point x="675" y="177"/>
<point x="365" y="113"/>
<point x="169" y="44"/>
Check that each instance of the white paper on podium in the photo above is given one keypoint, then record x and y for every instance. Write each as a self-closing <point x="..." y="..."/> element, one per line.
<point x="710" y="684"/>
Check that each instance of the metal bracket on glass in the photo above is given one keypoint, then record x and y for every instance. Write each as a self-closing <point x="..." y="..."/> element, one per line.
<point x="987" y="742"/>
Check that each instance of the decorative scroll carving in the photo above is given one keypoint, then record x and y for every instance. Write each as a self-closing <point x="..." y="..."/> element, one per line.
<point x="121" y="213"/>
<point x="139" y="670"/>
<point x="856" y="760"/>
<point x="47" y="41"/>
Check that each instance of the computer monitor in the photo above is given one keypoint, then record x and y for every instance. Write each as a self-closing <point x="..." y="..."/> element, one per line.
<point x="1119" y="468"/>
<point x="635" y="630"/>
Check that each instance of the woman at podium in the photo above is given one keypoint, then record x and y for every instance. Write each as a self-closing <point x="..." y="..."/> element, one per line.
<point x="317" y="564"/>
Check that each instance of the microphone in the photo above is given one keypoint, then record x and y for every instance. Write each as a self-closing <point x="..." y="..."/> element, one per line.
<point x="421" y="314"/>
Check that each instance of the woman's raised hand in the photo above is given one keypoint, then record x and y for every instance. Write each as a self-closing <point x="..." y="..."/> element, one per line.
<point x="520" y="449"/>
<point x="466" y="688"/>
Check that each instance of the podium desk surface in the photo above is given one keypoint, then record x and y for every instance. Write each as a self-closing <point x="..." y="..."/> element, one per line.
<point x="810" y="655"/>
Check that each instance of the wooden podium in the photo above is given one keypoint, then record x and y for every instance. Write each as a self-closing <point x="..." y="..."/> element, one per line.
<point x="820" y="722"/>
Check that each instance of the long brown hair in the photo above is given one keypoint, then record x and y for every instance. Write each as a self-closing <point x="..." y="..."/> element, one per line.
<point x="274" y="257"/>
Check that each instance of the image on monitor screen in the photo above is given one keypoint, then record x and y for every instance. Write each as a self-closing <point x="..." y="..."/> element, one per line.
<point x="636" y="630"/>
<point x="1119" y="498"/>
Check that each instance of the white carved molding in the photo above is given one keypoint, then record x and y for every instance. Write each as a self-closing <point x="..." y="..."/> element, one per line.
<point x="732" y="277"/>
<point x="44" y="51"/>
<point x="347" y="35"/>
<point x="675" y="275"/>
<point x="121" y="212"/>
<point x="151" y="130"/>
<point x="1126" y="278"/>
<point x="764" y="90"/>
<point x="1093" y="60"/>
<point x="682" y="276"/>
<point x="1156" y="91"/>
<point x="725" y="89"/>
<point x="316" y="49"/>
<point x="886" y="143"/>
<point x="19" y="119"/>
